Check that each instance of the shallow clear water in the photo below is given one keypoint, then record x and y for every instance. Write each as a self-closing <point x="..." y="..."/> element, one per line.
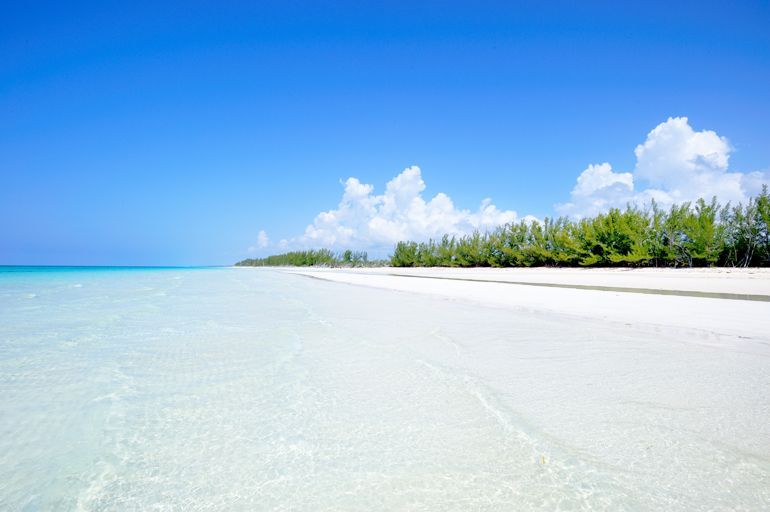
<point x="249" y="389"/>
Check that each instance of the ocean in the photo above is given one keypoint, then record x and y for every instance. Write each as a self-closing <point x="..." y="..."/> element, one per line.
<point x="254" y="389"/>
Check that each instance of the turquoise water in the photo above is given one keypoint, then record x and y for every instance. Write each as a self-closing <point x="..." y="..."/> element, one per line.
<point x="250" y="389"/>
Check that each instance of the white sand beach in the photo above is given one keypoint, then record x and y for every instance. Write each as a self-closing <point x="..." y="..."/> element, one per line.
<point x="710" y="300"/>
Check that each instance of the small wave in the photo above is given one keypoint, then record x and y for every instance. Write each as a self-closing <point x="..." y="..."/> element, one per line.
<point x="436" y="333"/>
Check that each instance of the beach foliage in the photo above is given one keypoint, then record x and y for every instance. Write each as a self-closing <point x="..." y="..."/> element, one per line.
<point x="311" y="258"/>
<point x="699" y="234"/>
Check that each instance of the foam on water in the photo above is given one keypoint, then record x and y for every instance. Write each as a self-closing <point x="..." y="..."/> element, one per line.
<point x="244" y="389"/>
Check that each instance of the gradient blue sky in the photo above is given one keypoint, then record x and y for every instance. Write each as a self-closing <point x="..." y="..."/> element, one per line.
<point x="172" y="133"/>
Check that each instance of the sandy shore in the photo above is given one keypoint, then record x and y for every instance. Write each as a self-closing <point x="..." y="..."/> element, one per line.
<point x="732" y="302"/>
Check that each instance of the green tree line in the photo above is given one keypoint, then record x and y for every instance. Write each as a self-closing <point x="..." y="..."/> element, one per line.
<point x="688" y="235"/>
<point x="310" y="258"/>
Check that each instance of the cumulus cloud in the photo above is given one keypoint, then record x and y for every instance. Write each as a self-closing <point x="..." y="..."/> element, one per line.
<point x="598" y="187"/>
<point x="364" y="219"/>
<point x="262" y="241"/>
<point x="674" y="164"/>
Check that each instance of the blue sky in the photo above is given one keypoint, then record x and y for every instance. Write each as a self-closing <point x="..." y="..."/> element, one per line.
<point x="166" y="135"/>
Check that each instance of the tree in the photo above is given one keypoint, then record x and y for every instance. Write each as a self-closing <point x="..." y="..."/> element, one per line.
<point x="699" y="234"/>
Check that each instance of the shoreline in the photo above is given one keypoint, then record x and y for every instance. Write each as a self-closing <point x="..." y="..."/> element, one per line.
<point x="727" y="280"/>
<point x="709" y="301"/>
<point x="420" y="387"/>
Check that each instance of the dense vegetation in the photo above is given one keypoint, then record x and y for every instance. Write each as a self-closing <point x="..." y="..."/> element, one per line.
<point x="321" y="257"/>
<point x="686" y="235"/>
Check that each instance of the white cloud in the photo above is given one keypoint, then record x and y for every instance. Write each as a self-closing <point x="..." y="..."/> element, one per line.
<point x="598" y="187"/>
<point x="676" y="163"/>
<point x="367" y="220"/>
<point x="262" y="241"/>
<point x="601" y="178"/>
